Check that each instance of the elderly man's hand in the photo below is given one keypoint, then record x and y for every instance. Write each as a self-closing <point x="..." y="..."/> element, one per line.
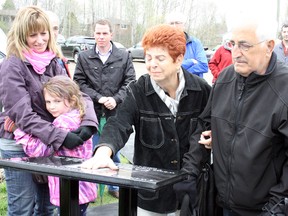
<point x="101" y="159"/>
<point x="206" y="139"/>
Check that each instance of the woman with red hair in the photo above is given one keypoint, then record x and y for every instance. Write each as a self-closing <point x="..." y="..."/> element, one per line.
<point x="163" y="106"/>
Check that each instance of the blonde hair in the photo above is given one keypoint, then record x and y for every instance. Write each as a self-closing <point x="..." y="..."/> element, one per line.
<point x="29" y="20"/>
<point x="64" y="87"/>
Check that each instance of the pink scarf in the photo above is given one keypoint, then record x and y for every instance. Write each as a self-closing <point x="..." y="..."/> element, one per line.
<point x="39" y="61"/>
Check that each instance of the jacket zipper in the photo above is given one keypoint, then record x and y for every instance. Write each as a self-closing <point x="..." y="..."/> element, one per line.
<point x="240" y="98"/>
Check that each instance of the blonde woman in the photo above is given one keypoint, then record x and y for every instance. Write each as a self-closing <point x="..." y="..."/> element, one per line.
<point x="31" y="61"/>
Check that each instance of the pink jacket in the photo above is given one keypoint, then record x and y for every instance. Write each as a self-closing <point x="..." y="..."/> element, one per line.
<point x="33" y="147"/>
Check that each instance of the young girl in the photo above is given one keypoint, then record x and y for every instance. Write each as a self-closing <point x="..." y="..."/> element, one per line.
<point x="65" y="103"/>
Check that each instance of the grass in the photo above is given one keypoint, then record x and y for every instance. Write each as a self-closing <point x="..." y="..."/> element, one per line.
<point x="3" y="199"/>
<point x="107" y="198"/>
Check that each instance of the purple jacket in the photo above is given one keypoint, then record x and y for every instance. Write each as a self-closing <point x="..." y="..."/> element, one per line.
<point x="23" y="101"/>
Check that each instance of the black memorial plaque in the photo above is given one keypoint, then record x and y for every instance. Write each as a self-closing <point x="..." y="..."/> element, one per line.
<point x="131" y="176"/>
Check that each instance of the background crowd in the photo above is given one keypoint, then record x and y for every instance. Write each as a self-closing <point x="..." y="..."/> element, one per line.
<point x="180" y="121"/>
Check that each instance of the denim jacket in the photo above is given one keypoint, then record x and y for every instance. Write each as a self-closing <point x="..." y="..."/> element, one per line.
<point x="160" y="138"/>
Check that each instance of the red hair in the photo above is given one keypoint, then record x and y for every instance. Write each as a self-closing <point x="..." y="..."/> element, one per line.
<point x="165" y="36"/>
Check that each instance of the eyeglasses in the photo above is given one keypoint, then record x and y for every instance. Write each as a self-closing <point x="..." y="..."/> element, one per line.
<point x="243" y="46"/>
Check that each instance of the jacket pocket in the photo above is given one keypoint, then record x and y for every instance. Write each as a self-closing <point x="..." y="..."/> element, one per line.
<point x="148" y="195"/>
<point x="151" y="132"/>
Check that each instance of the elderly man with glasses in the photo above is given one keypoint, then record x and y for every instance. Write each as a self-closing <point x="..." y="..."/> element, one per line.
<point x="195" y="60"/>
<point x="247" y="118"/>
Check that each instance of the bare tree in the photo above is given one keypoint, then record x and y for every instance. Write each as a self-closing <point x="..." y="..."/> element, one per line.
<point x="78" y="17"/>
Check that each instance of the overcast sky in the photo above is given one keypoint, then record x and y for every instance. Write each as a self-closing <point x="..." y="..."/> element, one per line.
<point x="267" y="8"/>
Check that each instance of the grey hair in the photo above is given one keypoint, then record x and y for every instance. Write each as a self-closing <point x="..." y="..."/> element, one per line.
<point x="267" y="30"/>
<point x="265" y="26"/>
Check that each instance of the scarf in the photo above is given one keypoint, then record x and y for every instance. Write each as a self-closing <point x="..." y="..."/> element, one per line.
<point x="39" y="61"/>
<point x="171" y="103"/>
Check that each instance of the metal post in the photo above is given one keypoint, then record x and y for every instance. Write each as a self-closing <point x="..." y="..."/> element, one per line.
<point x="69" y="197"/>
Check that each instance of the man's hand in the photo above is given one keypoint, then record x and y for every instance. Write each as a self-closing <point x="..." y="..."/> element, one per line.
<point x="102" y="100"/>
<point x="101" y="159"/>
<point x="194" y="61"/>
<point x="110" y="103"/>
<point x="85" y="132"/>
<point x="206" y="139"/>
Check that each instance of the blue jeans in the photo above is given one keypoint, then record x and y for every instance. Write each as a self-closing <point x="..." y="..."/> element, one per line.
<point x="116" y="159"/>
<point x="25" y="197"/>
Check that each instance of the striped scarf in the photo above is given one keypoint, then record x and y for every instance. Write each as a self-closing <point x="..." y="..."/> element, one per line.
<point x="171" y="103"/>
<point x="39" y="61"/>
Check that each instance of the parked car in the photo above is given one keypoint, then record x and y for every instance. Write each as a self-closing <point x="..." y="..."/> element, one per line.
<point x="75" y="44"/>
<point x="2" y="56"/>
<point x="120" y="46"/>
<point x="137" y="51"/>
<point x="210" y="53"/>
<point x="60" y="39"/>
<point x="3" y="44"/>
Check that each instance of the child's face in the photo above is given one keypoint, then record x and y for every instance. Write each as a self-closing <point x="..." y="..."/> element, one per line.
<point x="56" y="105"/>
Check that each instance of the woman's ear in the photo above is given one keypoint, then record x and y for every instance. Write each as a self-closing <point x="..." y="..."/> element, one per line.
<point x="179" y="60"/>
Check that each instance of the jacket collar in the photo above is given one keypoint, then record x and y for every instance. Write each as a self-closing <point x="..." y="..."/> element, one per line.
<point x="188" y="38"/>
<point x="116" y="53"/>
<point x="255" y="78"/>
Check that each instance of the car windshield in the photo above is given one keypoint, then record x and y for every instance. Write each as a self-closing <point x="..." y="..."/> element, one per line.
<point x="89" y="40"/>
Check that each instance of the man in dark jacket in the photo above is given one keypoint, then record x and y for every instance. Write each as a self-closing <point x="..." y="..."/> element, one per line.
<point x="163" y="106"/>
<point x="103" y="73"/>
<point x="247" y="112"/>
